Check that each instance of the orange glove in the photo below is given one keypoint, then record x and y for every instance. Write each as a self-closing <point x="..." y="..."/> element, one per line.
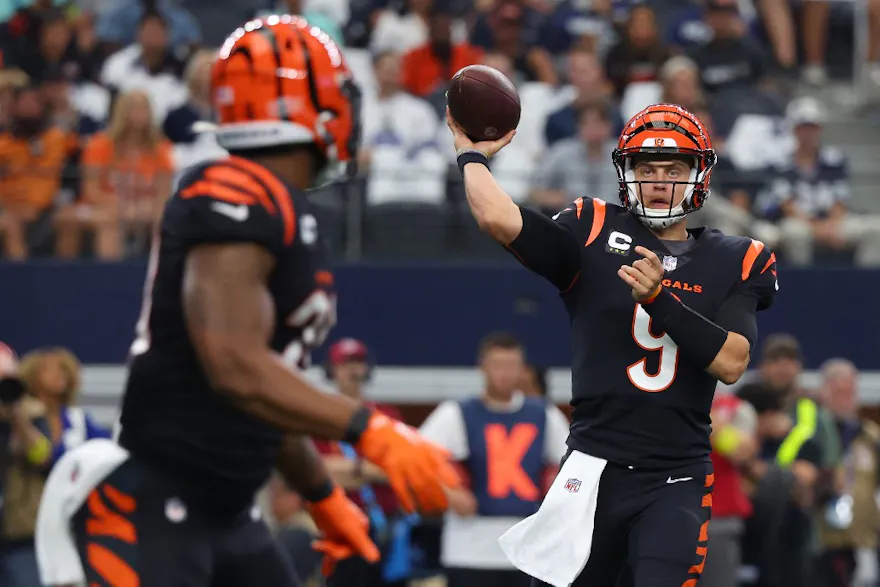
<point x="345" y="531"/>
<point x="415" y="467"/>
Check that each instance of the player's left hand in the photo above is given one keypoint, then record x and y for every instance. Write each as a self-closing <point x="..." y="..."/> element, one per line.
<point x="643" y="276"/>
<point x="345" y="531"/>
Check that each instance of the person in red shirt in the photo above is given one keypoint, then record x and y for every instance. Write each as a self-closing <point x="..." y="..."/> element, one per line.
<point x="348" y="368"/>
<point x="734" y="444"/>
<point x="428" y="68"/>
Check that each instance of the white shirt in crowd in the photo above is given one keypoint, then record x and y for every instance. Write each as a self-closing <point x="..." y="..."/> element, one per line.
<point x="406" y="164"/>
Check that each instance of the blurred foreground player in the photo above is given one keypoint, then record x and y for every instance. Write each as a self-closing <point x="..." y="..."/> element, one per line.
<point x="236" y="297"/>
<point x="659" y="315"/>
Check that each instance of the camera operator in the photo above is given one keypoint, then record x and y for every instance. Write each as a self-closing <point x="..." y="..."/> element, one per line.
<point x="25" y="456"/>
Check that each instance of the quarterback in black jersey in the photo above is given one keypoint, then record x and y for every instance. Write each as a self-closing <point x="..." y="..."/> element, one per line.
<point x="659" y="314"/>
<point x="237" y="295"/>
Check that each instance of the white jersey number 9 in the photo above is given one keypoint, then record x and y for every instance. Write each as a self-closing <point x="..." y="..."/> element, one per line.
<point x="638" y="371"/>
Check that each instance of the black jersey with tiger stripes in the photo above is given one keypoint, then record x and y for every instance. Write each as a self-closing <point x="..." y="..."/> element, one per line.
<point x="638" y="399"/>
<point x="171" y="417"/>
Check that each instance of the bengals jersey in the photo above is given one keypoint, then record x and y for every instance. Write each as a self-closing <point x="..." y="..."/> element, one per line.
<point x="638" y="400"/>
<point x="171" y="417"/>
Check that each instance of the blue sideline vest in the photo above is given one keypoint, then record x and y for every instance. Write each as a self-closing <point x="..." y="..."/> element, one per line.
<point x="506" y="461"/>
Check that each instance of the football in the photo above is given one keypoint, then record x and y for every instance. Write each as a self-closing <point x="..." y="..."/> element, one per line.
<point x="483" y="102"/>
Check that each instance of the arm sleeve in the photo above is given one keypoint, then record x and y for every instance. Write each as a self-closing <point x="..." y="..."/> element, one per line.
<point x="759" y="278"/>
<point x="755" y="291"/>
<point x="737" y="314"/>
<point x="223" y="204"/>
<point x="549" y="247"/>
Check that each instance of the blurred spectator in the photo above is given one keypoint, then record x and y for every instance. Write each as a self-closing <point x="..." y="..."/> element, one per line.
<point x="730" y="207"/>
<point x="150" y="65"/>
<point x="516" y="438"/>
<point x="11" y="80"/>
<point x="32" y="156"/>
<point x="295" y="531"/>
<point x="405" y="29"/>
<point x="53" y="377"/>
<point x="687" y="28"/>
<point x="191" y="147"/>
<point x="515" y="30"/>
<point x="429" y="67"/>
<point x="579" y="166"/>
<point x="534" y="381"/>
<point x="808" y="197"/>
<point x="118" y="23"/>
<point x="814" y="32"/>
<point x="25" y="454"/>
<point x="777" y="20"/>
<point x="398" y="149"/>
<point x="60" y="95"/>
<point x="348" y="368"/>
<point x="126" y="178"/>
<point x="852" y="520"/>
<point x="587" y="85"/>
<point x="679" y="84"/>
<point x="638" y="56"/>
<point x="785" y="475"/>
<point x="56" y="49"/>
<point x="585" y="25"/>
<point x="680" y="78"/>
<point x="780" y="368"/>
<point x="734" y="445"/>
<point x="731" y="59"/>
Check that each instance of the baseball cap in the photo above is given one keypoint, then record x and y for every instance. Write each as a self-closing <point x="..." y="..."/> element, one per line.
<point x="806" y="110"/>
<point x="347" y="349"/>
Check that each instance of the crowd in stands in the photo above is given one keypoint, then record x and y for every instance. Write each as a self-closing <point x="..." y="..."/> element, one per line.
<point x="98" y="102"/>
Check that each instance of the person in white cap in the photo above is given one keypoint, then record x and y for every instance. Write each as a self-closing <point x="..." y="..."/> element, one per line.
<point x="808" y="198"/>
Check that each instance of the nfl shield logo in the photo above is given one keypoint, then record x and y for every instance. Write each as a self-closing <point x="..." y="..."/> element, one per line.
<point x="573" y="485"/>
<point x="670" y="263"/>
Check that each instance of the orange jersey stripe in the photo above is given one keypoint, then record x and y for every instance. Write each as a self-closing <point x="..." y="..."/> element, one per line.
<point x="598" y="220"/>
<point x="278" y="191"/>
<point x="579" y="207"/>
<point x="216" y="191"/>
<point x="750" y="257"/>
<point x="123" y="502"/>
<point x="105" y="522"/>
<point x="111" y="567"/>
<point x="244" y="181"/>
<point x="769" y="263"/>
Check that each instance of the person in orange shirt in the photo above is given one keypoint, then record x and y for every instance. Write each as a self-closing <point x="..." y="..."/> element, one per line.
<point x="429" y="67"/>
<point x="32" y="156"/>
<point x="126" y="178"/>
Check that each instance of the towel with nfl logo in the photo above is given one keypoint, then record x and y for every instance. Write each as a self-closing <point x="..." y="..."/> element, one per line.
<point x="554" y="544"/>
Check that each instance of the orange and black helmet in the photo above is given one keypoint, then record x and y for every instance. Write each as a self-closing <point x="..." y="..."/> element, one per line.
<point x="658" y="131"/>
<point x="281" y="81"/>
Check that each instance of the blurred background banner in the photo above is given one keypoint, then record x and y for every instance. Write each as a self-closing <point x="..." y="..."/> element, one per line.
<point x="429" y="314"/>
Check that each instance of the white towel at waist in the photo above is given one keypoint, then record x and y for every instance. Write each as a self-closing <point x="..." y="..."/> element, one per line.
<point x="554" y="544"/>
